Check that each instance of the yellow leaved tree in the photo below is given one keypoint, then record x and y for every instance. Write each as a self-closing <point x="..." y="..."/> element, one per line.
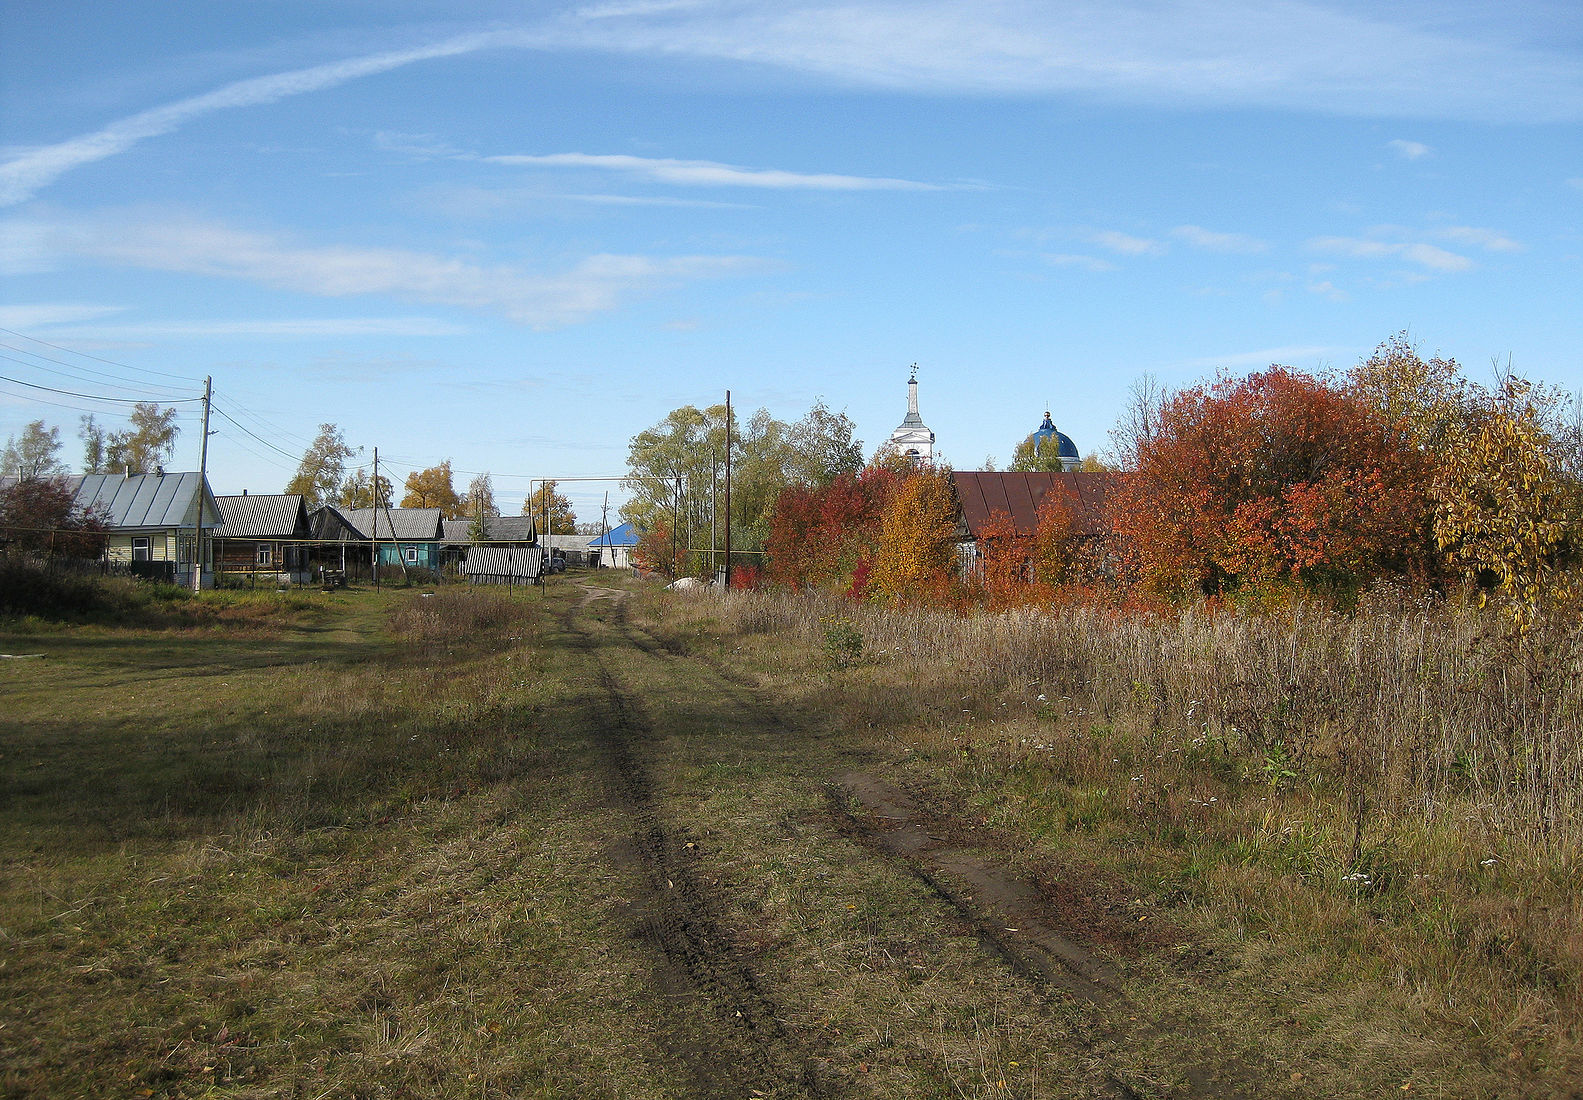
<point x="1508" y="510"/>
<point x="917" y="543"/>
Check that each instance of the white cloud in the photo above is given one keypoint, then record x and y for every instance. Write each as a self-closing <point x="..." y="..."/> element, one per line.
<point x="1488" y="239"/>
<point x="41" y="314"/>
<point x="1212" y="241"/>
<point x="1418" y="252"/>
<point x="1317" y="55"/>
<point x="1125" y="244"/>
<point x="1295" y="54"/>
<point x="309" y="327"/>
<point x="1068" y="259"/>
<point x="1410" y="150"/>
<point x="1329" y="290"/>
<point x="25" y="174"/>
<point x="594" y="285"/>
<point x="705" y="173"/>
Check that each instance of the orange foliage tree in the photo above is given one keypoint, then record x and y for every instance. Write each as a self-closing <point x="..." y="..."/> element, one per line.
<point x="916" y="554"/>
<point x="823" y="534"/>
<point x="1276" y="477"/>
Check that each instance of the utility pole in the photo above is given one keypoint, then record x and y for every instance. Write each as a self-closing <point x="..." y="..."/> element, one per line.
<point x="373" y="534"/>
<point x="203" y="479"/>
<point x="728" y="490"/>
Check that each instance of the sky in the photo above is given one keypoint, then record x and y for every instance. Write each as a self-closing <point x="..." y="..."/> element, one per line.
<point x="513" y="235"/>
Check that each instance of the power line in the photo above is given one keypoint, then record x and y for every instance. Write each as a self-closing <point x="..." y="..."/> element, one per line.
<point x="73" y="367"/>
<point x="89" y="396"/>
<point x="97" y="359"/>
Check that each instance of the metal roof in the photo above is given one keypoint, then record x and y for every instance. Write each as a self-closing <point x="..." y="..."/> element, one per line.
<point x="146" y="501"/>
<point x="568" y="542"/>
<point x="496" y="529"/>
<point x="982" y="494"/>
<point x="398" y="524"/>
<point x="263" y="516"/>
<point x="625" y="535"/>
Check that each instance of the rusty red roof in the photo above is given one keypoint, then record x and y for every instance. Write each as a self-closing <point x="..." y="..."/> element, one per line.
<point x="982" y="494"/>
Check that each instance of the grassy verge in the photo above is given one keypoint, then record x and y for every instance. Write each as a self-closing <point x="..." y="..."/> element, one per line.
<point x="1362" y="833"/>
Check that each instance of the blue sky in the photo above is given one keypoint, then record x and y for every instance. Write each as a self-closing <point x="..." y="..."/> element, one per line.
<point x="517" y="238"/>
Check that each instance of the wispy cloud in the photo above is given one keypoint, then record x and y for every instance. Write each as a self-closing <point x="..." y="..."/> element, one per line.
<point x="1126" y="244"/>
<point x="280" y="329"/>
<point x="1300" y="54"/>
<point x="44" y="314"/>
<point x="1069" y="259"/>
<point x="1419" y="252"/>
<point x="1409" y="150"/>
<point x="24" y="175"/>
<point x="1489" y="239"/>
<point x="594" y="285"/>
<point x="1316" y="55"/>
<point x="705" y="173"/>
<point x="1211" y="241"/>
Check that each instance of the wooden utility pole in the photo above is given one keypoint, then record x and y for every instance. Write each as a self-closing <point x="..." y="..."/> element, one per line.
<point x="728" y="490"/>
<point x="373" y="533"/>
<point x="203" y="479"/>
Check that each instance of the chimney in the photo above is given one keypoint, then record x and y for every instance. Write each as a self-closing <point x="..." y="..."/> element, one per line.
<point x="244" y="492"/>
<point x="126" y="473"/>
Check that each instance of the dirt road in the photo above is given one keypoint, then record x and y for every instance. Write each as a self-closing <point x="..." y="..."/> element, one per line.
<point x="817" y="930"/>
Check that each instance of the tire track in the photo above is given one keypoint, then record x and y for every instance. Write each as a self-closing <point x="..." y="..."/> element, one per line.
<point x="748" y="1050"/>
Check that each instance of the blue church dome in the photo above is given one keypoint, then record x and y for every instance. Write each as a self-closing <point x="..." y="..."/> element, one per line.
<point x="1064" y="447"/>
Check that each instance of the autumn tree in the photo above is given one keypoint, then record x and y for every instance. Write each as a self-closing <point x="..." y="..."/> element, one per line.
<point x="677" y="469"/>
<point x="322" y="469"/>
<point x="1276" y="477"/>
<point x="432" y="488"/>
<point x="1508" y="510"/>
<point x="916" y="552"/>
<point x="562" y="520"/>
<point x="360" y="490"/>
<point x="33" y="454"/>
<point x="1005" y="558"/>
<point x="1138" y="423"/>
<point x="146" y="444"/>
<point x="39" y="518"/>
<point x="822" y="447"/>
<point x="822" y="534"/>
<point x="1056" y="541"/>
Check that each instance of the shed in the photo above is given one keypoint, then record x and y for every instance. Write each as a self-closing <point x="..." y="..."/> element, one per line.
<point x="487" y="564"/>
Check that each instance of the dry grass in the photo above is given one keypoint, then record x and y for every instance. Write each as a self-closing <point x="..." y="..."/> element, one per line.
<point x="1393" y="799"/>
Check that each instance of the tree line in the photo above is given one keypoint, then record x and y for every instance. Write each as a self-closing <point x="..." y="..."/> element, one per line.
<point x="1250" y="488"/>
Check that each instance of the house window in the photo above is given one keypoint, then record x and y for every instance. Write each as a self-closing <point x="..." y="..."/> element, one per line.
<point x="140" y="550"/>
<point x="265" y="556"/>
<point x="412" y="555"/>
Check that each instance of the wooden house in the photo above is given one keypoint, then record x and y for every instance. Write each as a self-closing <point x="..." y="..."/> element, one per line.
<point x="153" y="522"/>
<point x="263" y="536"/>
<point x="410" y="537"/>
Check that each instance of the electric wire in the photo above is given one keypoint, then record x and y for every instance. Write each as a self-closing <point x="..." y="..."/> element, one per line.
<point x="97" y="359"/>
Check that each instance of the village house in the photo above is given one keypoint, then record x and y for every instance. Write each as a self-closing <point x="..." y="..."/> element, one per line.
<point x="263" y="536"/>
<point x="152" y="522"/>
<point x="408" y="537"/>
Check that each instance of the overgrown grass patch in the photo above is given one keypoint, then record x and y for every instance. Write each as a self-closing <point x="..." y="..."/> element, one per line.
<point x="1372" y="822"/>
